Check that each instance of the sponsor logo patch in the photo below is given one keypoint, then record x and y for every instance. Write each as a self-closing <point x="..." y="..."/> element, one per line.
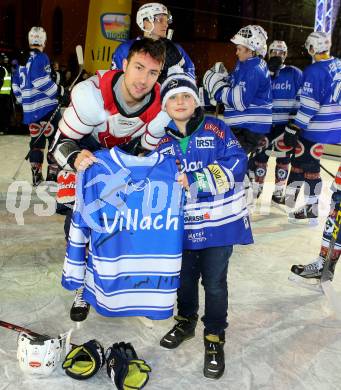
<point x="219" y="177"/>
<point x="204" y="142"/>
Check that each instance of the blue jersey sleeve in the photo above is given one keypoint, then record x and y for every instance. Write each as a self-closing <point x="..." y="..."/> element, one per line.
<point x="309" y="98"/>
<point x="297" y="84"/>
<point x="16" y="85"/>
<point x="40" y="74"/>
<point x="241" y="95"/>
<point x="120" y="54"/>
<point x="188" y="65"/>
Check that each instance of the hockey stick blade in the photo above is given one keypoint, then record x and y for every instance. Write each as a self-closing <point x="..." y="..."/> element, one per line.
<point x="80" y="60"/>
<point x="332" y="298"/>
<point x="309" y="284"/>
<point x="79" y="52"/>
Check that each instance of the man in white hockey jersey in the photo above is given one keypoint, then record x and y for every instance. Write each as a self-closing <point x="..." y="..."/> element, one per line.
<point x="113" y="108"/>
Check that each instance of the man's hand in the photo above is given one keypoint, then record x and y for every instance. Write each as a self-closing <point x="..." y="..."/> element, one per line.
<point x="84" y="159"/>
<point x="183" y="181"/>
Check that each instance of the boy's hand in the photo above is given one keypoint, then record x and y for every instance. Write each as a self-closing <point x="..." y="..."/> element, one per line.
<point x="183" y="181"/>
<point x="84" y="159"/>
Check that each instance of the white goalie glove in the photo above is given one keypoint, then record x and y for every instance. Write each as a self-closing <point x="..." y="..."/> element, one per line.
<point x="38" y="355"/>
<point x="215" y="79"/>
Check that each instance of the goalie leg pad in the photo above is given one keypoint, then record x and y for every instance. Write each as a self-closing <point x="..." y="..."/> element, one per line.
<point x="84" y="361"/>
<point x="124" y="368"/>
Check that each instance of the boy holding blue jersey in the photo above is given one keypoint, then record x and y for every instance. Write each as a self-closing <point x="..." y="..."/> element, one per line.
<point x="213" y="165"/>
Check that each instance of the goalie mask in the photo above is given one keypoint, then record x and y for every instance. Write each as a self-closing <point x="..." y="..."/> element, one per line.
<point x="38" y="355"/>
<point x="253" y="37"/>
<point x="318" y="42"/>
<point x="149" y="11"/>
<point x="37" y="36"/>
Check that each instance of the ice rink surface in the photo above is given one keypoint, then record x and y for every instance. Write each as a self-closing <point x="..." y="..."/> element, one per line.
<point x="280" y="337"/>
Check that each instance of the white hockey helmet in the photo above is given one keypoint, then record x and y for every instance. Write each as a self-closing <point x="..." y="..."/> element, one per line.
<point x="318" y="42"/>
<point x="278" y="46"/>
<point x="37" y="36"/>
<point x="252" y="36"/>
<point x="38" y="356"/>
<point x="149" y="11"/>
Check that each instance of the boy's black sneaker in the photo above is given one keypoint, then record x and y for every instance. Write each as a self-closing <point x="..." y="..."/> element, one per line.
<point x="214" y="365"/>
<point x="182" y="331"/>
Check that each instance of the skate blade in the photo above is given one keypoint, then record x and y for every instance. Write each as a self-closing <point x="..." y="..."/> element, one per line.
<point x="281" y="207"/>
<point x="308" y="222"/>
<point x="147" y="322"/>
<point x="309" y="284"/>
<point x="332" y="298"/>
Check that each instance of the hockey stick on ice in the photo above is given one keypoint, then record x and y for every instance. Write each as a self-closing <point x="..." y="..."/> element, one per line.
<point x="64" y="337"/>
<point x="80" y="59"/>
<point x="19" y="329"/>
<point x="327" y="275"/>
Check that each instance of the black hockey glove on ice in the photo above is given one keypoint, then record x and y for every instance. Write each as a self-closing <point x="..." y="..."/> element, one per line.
<point x="124" y="368"/>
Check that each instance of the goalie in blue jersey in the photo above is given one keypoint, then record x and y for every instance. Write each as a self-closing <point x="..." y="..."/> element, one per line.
<point x="213" y="166"/>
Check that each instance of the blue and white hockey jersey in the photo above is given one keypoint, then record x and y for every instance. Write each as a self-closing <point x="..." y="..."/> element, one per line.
<point x="319" y="116"/>
<point x="128" y="210"/>
<point x="285" y="88"/>
<point x="34" y="88"/>
<point x="215" y="164"/>
<point x="247" y="98"/>
<point x="123" y="49"/>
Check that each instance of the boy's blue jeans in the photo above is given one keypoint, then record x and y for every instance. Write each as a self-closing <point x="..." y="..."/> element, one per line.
<point x="212" y="265"/>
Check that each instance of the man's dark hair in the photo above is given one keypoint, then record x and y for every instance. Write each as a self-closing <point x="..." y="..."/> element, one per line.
<point x="156" y="49"/>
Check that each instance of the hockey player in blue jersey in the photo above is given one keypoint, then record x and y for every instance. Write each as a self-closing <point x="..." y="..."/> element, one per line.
<point x="213" y="165"/>
<point x="153" y="19"/>
<point x="246" y="92"/>
<point x="286" y="81"/>
<point x="34" y="88"/>
<point x="317" y="122"/>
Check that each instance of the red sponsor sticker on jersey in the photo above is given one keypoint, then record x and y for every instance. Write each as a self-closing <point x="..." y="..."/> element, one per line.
<point x="34" y="129"/>
<point x="299" y="150"/>
<point x="215" y="129"/>
<point x="164" y="140"/>
<point x="317" y="150"/>
<point x="281" y="146"/>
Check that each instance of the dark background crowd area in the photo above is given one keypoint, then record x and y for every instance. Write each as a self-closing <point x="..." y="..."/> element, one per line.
<point x="203" y="28"/>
